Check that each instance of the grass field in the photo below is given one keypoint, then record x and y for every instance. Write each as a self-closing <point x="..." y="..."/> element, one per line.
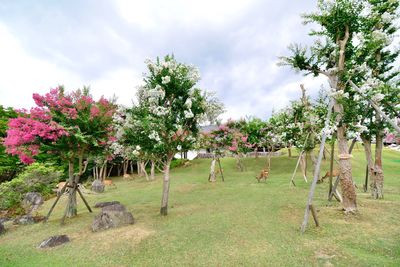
<point x="236" y="223"/>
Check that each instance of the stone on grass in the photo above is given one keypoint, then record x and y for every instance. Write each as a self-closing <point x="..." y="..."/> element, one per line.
<point x="32" y="201"/>
<point x="24" y="220"/>
<point x="97" y="186"/>
<point x="54" y="241"/>
<point x="107" y="203"/>
<point x="112" y="216"/>
<point x="2" y="229"/>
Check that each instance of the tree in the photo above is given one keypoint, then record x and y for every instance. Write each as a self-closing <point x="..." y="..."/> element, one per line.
<point x="9" y="166"/>
<point x="70" y="125"/>
<point x="378" y="81"/>
<point x="332" y="57"/>
<point x="172" y="108"/>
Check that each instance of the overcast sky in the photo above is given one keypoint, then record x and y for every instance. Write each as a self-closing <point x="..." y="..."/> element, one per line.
<point x="235" y="44"/>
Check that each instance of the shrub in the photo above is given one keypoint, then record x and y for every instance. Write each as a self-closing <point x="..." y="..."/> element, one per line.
<point x="37" y="177"/>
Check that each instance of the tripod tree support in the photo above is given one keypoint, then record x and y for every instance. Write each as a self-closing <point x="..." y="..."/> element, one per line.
<point x="298" y="162"/>
<point x="317" y="167"/>
<point x="331" y="167"/>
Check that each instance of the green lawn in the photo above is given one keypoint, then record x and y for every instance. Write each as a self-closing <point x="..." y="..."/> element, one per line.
<point x="236" y="223"/>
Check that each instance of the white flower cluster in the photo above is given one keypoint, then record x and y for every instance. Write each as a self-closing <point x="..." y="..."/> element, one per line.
<point x="361" y="128"/>
<point x="338" y="94"/>
<point x="165" y="80"/>
<point x="188" y="114"/>
<point x="380" y="36"/>
<point x="154" y="135"/>
<point x="370" y="84"/>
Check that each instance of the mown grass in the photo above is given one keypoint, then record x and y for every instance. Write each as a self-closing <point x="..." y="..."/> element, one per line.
<point x="236" y="223"/>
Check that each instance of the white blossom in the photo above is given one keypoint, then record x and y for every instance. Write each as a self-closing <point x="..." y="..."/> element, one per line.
<point x="166" y="79"/>
<point x="188" y="114"/>
<point x="179" y="147"/>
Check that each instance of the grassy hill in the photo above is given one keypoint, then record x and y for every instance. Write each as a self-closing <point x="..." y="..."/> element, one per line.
<point x="236" y="223"/>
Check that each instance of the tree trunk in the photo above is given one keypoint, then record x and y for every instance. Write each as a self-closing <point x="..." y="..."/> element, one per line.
<point x="368" y="155"/>
<point x="289" y="150"/>
<point x="152" y="170"/>
<point x="346" y="179"/>
<point x="72" y="203"/>
<point x="239" y="164"/>
<point x="165" y="193"/>
<point x="211" y="177"/>
<point x="377" y="178"/>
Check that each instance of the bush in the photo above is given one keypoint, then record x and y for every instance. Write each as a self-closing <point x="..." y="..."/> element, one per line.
<point x="37" y="177"/>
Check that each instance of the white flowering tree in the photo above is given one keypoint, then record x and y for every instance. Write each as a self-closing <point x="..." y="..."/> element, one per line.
<point x="331" y="56"/>
<point x="170" y="109"/>
<point x="377" y="80"/>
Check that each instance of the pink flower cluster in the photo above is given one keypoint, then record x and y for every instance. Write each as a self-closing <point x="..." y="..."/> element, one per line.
<point x="24" y="134"/>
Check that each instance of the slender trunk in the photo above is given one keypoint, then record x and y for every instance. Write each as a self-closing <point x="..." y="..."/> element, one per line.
<point x="165" y="193"/>
<point x="377" y="178"/>
<point x="289" y="150"/>
<point x="211" y="177"/>
<point x="109" y="171"/>
<point x="256" y="152"/>
<point x="143" y="169"/>
<point x="303" y="165"/>
<point x="368" y="155"/>
<point x="72" y="203"/>
<point x="152" y="170"/>
<point x="239" y="164"/>
<point x="139" y="168"/>
<point x="131" y="165"/>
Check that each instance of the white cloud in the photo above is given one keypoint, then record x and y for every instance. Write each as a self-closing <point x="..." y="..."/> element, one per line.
<point x="150" y="15"/>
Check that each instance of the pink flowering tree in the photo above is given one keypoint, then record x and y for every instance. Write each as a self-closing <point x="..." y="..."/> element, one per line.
<point x="70" y="125"/>
<point x="230" y="137"/>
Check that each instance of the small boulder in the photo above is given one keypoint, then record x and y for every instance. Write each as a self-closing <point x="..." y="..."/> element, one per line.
<point x="2" y="229"/>
<point x="107" y="203"/>
<point x="32" y="201"/>
<point x="112" y="216"/>
<point x="54" y="241"/>
<point x="97" y="186"/>
<point x="24" y="220"/>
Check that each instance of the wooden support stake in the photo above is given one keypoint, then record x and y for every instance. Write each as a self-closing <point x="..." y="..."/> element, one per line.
<point x="317" y="167"/>
<point x="331" y="167"/>
<point x="55" y="202"/>
<point x="314" y="214"/>
<point x="84" y="200"/>
<point x="295" y="169"/>
<point x="335" y="191"/>
<point x="366" y="179"/>
<point x="353" y="142"/>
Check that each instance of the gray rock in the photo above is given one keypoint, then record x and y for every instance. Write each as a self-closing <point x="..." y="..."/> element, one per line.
<point x="107" y="203"/>
<point x="112" y="216"/>
<point x="2" y="229"/>
<point x="32" y="201"/>
<point x="97" y="186"/>
<point x="54" y="241"/>
<point x="24" y="220"/>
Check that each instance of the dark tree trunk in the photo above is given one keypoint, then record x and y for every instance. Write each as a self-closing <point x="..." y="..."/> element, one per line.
<point x="72" y="203"/>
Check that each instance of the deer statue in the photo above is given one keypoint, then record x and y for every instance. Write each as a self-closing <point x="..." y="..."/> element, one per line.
<point x="263" y="175"/>
<point x="335" y="173"/>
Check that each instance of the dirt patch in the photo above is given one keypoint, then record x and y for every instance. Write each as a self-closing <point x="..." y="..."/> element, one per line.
<point x="105" y="240"/>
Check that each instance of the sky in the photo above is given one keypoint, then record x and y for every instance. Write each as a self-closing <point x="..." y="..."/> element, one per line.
<point x="103" y="44"/>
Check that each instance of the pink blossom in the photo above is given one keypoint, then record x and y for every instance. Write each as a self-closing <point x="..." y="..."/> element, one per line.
<point x="94" y="112"/>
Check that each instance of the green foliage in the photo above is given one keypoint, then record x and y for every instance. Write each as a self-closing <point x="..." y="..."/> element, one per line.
<point x="37" y="177"/>
<point x="9" y="165"/>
